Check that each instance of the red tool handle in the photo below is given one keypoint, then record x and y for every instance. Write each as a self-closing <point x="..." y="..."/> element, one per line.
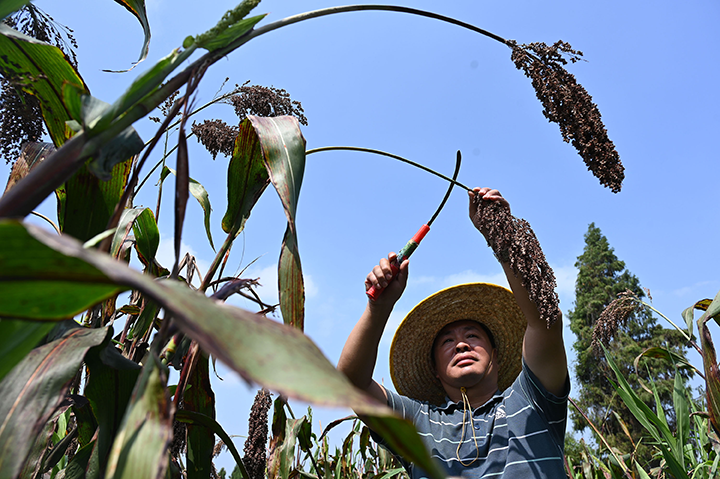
<point x="404" y="253"/>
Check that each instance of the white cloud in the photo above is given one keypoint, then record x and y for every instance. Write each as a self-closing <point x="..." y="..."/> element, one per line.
<point x="565" y="277"/>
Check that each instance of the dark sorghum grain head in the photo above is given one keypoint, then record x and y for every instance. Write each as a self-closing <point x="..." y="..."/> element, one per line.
<point x="216" y="136"/>
<point x="256" y="443"/>
<point x="568" y="104"/>
<point x="612" y="317"/>
<point x="513" y="241"/>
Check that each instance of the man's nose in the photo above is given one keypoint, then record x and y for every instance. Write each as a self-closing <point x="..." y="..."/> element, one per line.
<point x="462" y="346"/>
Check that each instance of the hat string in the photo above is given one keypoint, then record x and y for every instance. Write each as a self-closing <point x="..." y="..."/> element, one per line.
<point x="466" y="409"/>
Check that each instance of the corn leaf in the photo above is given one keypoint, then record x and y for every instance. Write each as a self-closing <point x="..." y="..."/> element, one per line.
<point x="190" y="417"/>
<point x="141" y="445"/>
<point x="653" y="424"/>
<point x="9" y="6"/>
<point x="201" y="195"/>
<point x="283" y="150"/>
<point x="33" y="391"/>
<point x="137" y="8"/>
<point x="712" y="375"/>
<point x="122" y="232"/>
<point x="401" y="436"/>
<point x="143" y="85"/>
<point x="682" y="417"/>
<point x="17" y="338"/>
<point x="147" y="237"/>
<point x="233" y="32"/>
<point x="43" y="69"/>
<point x="32" y="154"/>
<point x="297" y="368"/>
<point x="200" y="440"/>
<point x="291" y="287"/>
<point x="110" y="384"/>
<point x="86" y="203"/>
<point x="247" y="179"/>
<point x="39" y="283"/>
<point x="669" y="356"/>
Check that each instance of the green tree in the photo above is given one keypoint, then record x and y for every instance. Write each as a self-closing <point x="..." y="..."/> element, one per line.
<point x="601" y="277"/>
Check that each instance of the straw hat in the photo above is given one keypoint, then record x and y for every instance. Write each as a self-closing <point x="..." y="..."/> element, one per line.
<point x="411" y="365"/>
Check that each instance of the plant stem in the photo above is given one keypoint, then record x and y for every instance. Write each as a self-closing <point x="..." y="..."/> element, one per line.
<point x="685" y="335"/>
<point x="356" y="8"/>
<point x="602" y="438"/>
<point x="60" y="166"/>
<point x="383" y="153"/>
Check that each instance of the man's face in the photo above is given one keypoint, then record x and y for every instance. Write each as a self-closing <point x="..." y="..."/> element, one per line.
<point x="463" y="354"/>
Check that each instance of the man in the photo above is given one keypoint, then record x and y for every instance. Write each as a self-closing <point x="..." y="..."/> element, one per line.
<point x="477" y="370"/>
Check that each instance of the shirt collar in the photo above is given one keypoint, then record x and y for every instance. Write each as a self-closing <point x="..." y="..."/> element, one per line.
<point x="449" y="404"/>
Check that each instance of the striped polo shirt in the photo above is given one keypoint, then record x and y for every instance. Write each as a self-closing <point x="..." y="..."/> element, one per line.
<point x="519" y="433"/>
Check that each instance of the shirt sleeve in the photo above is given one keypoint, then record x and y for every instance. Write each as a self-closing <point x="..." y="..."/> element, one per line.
<point x="407" y="409"/>
<point x="552" y="408"/>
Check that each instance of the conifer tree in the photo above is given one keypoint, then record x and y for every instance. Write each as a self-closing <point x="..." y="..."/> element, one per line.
<point x="601" y="276"/>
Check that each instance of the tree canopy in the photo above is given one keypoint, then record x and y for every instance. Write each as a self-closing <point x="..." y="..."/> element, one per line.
<point x="601" y="277"/>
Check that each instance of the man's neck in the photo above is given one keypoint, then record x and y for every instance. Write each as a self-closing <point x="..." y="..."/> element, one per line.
<point x="477" y="395"/>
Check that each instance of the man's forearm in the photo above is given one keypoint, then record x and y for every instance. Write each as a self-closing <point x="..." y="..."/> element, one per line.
<point x="358" y="357"/>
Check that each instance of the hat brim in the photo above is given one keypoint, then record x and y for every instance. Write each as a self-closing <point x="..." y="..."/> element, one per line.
<point x="411" y="367"/>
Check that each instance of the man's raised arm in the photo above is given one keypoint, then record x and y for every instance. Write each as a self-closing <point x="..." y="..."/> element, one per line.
<point x="358" y="357"/>
<point x="543" y="347"/>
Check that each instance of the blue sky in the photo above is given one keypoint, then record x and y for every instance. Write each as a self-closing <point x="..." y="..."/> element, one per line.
<point x="424" y="89"/>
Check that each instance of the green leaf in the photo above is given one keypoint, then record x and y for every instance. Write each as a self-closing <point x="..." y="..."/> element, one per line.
<point x="120" y="149"/>
<point x="713" y="310"/>
<point x="712" y="374"/>
<point x="86" y="203"/>
<point x="10" y="6"/>
<point x="200" y="399"/>
<point x="34" y="389"/>
<point x="141" y="445"/>
<point x="44" y="69"/>
<point x="190" y="417"/>
<point x="109" y="388"/>
<point x="33" y="462"/>
<point x="682" y="417"/>
<point x="147" y="237"/>
<point x="32" y="154"/>
<point x="297" y="368"/>
<point x="39" y="283"/>
<point x="127" y="219"/>
<point x="401" y="436"/>
<point x="201" y="195"/>
<point x="237" y="337"/>
<point x="667" y="355"/>
<point x="281" y="459"/>
<point x="291" y="288"/>
<point x="137" y="8"/>
<point x="143" y="85"/>
<point x="653" y="424"/>
<point x="17" y="338"/>
<point x="247" y="179"/>
<point x="232" y="33"/>
<point x="283" y="150"/>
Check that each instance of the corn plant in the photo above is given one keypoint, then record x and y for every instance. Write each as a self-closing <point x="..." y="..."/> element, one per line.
<point x="692" y="449"/>
<point x="81" y="399"/>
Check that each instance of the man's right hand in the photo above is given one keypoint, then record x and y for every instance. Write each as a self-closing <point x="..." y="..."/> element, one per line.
<point x="381" y="276"/>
